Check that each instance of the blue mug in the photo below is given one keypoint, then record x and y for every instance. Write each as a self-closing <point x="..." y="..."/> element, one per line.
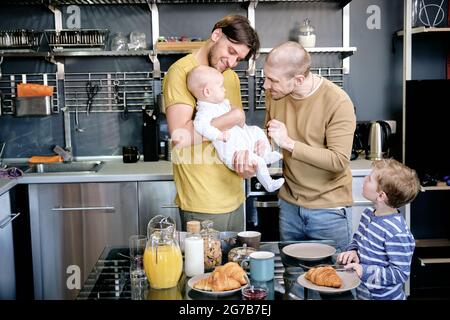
<point x="262" y="265"/>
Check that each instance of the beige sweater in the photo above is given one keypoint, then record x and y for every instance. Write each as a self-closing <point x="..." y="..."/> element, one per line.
<point x="317" y="172"/>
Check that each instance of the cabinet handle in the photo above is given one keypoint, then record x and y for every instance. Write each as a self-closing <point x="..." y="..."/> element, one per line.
<point x="84" y="209"/>
<point x="425" y="261"/>
<point x="169" y="206"/>
<point x="265" y="204"/>
<point x="9" y="220"/>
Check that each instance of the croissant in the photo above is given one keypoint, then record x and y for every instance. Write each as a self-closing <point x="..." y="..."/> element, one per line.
<point x="227" y="277"/>
<point x="324" y="276"/>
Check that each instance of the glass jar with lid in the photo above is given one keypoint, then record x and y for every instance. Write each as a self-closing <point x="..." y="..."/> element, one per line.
<point x="163" y="262"/>
<point x="211" y="245"/>
<point x="307" y="35"/>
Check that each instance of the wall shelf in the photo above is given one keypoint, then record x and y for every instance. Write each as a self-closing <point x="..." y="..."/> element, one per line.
<point x="80" y="53"/>
<point x="346" y="52"/>
<point x="424" y="30"/>
<point x="342" y="3"/>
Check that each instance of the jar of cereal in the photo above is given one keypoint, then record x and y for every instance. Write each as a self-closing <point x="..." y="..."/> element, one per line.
<point x="211" y="245"/>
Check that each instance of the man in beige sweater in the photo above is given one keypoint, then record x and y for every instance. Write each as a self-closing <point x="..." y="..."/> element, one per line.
<point x="313" y="121"/>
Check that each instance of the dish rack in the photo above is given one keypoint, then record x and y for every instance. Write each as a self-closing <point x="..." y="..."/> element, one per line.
<point x="76" y="39"/>
<point x="20" y="40"/>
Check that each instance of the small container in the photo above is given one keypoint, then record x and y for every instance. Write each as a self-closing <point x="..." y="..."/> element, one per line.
<point x="254" y="293"/>
<point x="211" y="245"/>
<point x="33" y="106"/>
<point x="193" y="250"/>
<point x="240" y="254"/>
<point x="307" y="36"/>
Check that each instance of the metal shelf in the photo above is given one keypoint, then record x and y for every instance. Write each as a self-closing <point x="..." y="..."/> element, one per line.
<point x="424" y="30"/>
<point x="346" y="52"/>
<point x="342" y="3"/>
<point x="81" y="53"/>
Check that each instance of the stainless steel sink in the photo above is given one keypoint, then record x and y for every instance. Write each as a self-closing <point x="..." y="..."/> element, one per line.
<point x="67" y="167"/>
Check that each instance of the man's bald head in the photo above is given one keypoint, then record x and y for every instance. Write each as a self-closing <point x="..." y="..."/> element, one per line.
<point x="199" y="78"/>
<point x="290" y="57"/>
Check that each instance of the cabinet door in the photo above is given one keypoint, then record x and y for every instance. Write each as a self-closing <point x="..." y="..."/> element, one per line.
<point x="157" y="197"/>
<point x="71" y="225"/>
<point x="7" y="273"/>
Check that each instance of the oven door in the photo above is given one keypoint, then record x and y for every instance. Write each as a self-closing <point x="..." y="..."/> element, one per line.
<point x="262" y="215"/>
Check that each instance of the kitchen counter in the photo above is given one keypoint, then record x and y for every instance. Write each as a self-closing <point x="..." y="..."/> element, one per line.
<point x="7" y="184"/>
<point x="116" y="171"/>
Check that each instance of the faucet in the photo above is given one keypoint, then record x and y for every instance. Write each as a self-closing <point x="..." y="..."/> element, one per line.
<point x="66" y="154"/>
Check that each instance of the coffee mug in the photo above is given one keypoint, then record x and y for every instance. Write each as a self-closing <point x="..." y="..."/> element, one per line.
<point x="250" y="238"/>
<point x="130" y="154"/>
<point x="262" y="265"/>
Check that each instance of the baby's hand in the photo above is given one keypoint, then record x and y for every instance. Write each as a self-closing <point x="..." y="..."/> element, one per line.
<point x="224" y="136"/>
<point x="348" y="257"/>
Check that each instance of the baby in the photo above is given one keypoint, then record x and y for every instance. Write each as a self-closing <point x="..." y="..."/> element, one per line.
<point x="207" y="85"/>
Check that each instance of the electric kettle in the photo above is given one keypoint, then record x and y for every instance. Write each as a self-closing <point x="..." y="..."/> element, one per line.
<point x="379" y="134"/>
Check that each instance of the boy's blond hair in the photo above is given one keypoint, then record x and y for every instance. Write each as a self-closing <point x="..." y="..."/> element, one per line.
<point x="399" y="182"/>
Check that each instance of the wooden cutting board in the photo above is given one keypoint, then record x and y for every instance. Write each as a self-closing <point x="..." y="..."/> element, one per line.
<point x="179" y="46"/>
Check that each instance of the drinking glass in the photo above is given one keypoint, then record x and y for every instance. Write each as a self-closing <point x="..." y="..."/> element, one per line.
<point x="137" y="245"/>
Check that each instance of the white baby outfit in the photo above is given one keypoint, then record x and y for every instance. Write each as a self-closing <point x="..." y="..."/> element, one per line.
<point x="239" y="138"/>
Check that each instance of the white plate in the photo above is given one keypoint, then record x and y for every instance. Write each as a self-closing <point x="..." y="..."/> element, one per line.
<point x="350" y="280"/>
<point x="309" y="251"/>
<point x="194" y="280"/>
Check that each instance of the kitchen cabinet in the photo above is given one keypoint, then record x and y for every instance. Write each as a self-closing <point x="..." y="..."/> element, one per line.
<point x="7" y="267"/>
<point x="71" y="224"/>
<point x="157" y="197"/>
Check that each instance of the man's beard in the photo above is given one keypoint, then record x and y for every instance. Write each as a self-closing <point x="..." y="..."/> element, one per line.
<point x="211" y="57"/>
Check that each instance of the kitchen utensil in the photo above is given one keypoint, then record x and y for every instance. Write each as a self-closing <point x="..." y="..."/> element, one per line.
<point x="130" y="154"/>
<point x="379" y="135"/>
<point x="309" y="251"/>
<point x="91" y="91"/>
<point x="350" y="280"/>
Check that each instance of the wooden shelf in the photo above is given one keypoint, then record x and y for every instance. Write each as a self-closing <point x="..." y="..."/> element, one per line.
<point x="425" y="243"/>
<point x="179" y="46"/>
<point x="436" y="188"/>
<point x="424" y="30"/>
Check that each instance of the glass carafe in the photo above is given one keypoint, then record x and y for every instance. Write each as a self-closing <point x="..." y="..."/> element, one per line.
<point x="163" y="261"/>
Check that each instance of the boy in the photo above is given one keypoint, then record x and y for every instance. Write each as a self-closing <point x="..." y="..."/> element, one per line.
<point x="206" y="85"/>
<point x="382" y="248"/>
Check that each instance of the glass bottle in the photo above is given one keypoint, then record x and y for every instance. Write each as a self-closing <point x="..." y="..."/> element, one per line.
<point x="211" y="245"/>
<point x="193" y="250"/>
<point x="307" y="36"/>
<point x="163" y="261"/>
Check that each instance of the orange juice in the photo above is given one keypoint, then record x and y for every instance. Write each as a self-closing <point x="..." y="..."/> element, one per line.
<point x="163" y="266"/>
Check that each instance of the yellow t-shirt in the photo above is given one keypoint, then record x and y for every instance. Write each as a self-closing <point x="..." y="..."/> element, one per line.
<point x="204" y="184"/>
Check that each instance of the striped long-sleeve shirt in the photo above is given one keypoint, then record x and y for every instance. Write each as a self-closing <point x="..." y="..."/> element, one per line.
<point x="385" y="247"/>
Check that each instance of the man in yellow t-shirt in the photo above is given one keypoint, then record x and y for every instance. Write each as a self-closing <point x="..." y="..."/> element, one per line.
<point x="313" y="121"/>
<point x="206" y="188"/>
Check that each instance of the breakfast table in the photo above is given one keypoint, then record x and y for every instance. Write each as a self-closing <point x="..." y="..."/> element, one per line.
<point x="110" y="279"/>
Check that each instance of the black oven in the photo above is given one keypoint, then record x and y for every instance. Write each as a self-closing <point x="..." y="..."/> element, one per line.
<point x="262" y="210"/>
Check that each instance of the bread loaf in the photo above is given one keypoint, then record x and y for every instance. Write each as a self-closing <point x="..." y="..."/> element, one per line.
<point x="227" y="277"/>
<point x="324" y="276"/>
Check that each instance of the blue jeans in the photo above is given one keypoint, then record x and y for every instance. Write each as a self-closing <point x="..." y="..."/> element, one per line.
<point x="299" y="223"/>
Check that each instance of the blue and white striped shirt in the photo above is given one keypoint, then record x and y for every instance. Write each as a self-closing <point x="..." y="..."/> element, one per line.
<point x="385" y="247"/>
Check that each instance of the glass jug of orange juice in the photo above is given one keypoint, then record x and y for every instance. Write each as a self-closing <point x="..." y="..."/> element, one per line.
<point x="163" y="262"/>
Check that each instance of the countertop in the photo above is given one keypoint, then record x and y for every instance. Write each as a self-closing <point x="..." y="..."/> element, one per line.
<point x="115" y="170"/>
